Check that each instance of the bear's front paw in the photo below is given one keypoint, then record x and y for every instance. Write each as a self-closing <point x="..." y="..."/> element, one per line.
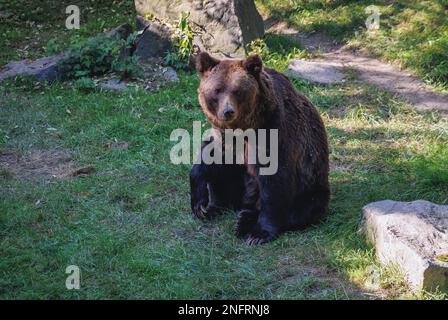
<point x="260" y="236"/>
<point x="245" y="223"/>
<point x="200" y="209"/>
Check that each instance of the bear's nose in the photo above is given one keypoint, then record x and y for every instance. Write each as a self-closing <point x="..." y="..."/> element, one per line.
<point x="228" y="113"/>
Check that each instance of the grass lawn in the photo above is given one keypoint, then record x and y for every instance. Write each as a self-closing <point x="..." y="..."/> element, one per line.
<point x="128" y="225"/>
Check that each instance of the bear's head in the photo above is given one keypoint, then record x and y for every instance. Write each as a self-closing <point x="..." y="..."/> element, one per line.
<point x="229" y="90"/>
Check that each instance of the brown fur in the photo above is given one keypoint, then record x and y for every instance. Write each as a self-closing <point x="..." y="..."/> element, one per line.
<point x="261" y="98"/>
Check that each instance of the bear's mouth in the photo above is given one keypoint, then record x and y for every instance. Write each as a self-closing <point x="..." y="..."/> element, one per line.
<point x="233" y="125"/>
<point x="226" y="120"/>
<point x="225" y="124"/>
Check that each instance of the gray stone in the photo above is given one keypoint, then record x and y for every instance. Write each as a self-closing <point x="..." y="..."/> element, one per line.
<point x="123" y="31"/>
<point x="315" y="71"/>
<point x="224" y="26"/>
<point x="152" y="78"/>
<point x="141" y="23"/>
<point x="43" y="69"/>
<point x="156" y="76"/>
<point x="155" y="40"/>
<point x="113" y="84"/>
<point x="413" y="236"/>
<point x="170" y="75"/>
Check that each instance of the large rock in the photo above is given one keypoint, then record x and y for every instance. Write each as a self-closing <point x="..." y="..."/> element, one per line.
<point x="155" y="41"/>
<point x="123" y="31"/>
<point x="153" y="77"/>
<point x="315" y="71"/>
<point x="413" y="236"/>
<point x="43" y="69"/>
<point x="226" y="26"/>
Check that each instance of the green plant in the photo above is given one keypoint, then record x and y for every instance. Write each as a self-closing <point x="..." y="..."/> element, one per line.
<point x="53" y="46"/>
<point x="93" y="57"/>
<point x="180" y="58"/>
<point x="100" y="55"/>
<point x="127" y="67"/>
<point x="257" y="46"/>
<point x="172" y="59"/>
<point x="85" y="84"/>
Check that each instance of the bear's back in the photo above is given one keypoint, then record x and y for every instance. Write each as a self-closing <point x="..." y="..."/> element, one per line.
<point x="301" y="129"/>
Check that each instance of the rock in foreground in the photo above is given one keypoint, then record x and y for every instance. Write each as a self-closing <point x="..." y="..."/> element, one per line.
<point x="413" y="236"/>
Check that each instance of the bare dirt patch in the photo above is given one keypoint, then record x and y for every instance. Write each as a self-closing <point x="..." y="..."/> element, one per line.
<point x="117" y="145"/>
<point x="40" y="165"/>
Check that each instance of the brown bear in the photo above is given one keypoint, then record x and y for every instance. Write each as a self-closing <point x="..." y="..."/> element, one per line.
<point x="243" y="94"/>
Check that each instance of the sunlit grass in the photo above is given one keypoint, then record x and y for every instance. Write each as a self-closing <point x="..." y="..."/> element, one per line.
<point x="413" y="33"/>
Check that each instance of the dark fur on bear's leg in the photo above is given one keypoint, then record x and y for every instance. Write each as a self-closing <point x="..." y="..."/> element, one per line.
<point x="198" y="192"/>
<point x="247" y="218"/>
<point x="250" y="207"/>
<point x="311" y="207"/>
<point x="275" y="204"/>
<point x="215" y="188"/>
<point x="212" y="193"/>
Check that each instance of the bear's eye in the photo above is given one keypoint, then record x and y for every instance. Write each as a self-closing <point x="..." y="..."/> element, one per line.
<point x="217" y="90"/>
<point x="212" y="101"/>
<point x="237" y="92"/>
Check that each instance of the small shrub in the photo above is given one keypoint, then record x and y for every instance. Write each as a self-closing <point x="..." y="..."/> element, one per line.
<point x="93" y="57"/>
<point x="53" y="46"/>
<point x="98" y="56"/>
<point x="127" y="67"/>
<point x="259" y="47"/>
<point x="180" y="58"/>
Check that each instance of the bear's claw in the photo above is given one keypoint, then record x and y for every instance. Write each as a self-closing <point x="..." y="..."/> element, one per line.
<point x="204" y="211"/>
<point x="199" y="210"/>
<point x="246" y="220"/>
<point x="259" y="237"/>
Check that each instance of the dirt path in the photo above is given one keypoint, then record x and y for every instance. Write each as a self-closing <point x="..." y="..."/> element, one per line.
<point x="368" y="69"/>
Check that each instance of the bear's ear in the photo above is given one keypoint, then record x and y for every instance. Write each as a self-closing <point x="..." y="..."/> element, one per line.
<point x="205" y="62"/>
<point x="253" y="65"/>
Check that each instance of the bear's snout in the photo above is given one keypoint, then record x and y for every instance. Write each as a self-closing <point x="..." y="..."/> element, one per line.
<point x="228" y="113"/>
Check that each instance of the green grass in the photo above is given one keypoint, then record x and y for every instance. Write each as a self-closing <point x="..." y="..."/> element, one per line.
<point x="30" y="30"/>
<point x="412" y="33"/>
<point x="128" y="225"/>
<point x="277" y="50"/>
